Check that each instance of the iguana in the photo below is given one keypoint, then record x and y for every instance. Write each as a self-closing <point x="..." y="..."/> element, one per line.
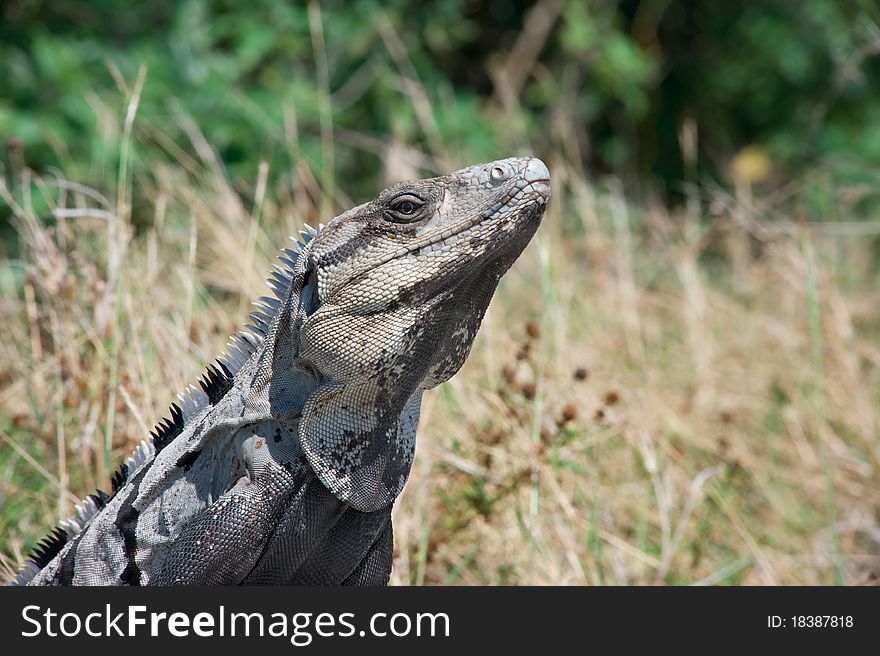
<point x="283" y="466"/>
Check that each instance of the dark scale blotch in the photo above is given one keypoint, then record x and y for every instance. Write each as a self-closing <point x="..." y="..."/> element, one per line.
<point x="187" y="459"/>
<point x="277" y="436"/>
<point x="131" y="575"/>
<point x="67" y="566"/>
<point x="49" y="547"/>
<point x="349" y="247"/>
<point x="126" y="524"/>
<point x="216" y="382"/>
<point x="406" y="296"/>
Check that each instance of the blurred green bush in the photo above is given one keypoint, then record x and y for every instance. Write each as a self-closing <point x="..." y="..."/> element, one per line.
<point x="655" y="91"/>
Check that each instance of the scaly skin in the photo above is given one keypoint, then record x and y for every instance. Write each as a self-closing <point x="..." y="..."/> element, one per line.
<point x="284" y="467"/>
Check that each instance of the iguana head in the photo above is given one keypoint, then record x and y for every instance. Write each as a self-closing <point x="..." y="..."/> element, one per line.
<point x="393" y="294"/>
<point x="422" y="258"/>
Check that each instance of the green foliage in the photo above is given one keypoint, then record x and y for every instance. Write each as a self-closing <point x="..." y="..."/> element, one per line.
<point x="627" y="75"/>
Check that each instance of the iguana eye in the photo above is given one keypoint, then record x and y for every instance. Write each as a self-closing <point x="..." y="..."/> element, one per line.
<point x="405" y="208"/>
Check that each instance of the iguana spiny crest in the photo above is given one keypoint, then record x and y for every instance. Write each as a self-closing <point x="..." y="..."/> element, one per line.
<point x="284" y="466"/>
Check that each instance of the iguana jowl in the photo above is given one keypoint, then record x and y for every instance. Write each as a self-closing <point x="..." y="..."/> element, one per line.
<point x="283" y="468"/>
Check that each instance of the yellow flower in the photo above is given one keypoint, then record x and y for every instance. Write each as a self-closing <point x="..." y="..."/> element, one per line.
<point x="751" y="165"/>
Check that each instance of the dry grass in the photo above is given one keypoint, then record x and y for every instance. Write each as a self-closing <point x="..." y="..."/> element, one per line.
<point x="653" y="398"/>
